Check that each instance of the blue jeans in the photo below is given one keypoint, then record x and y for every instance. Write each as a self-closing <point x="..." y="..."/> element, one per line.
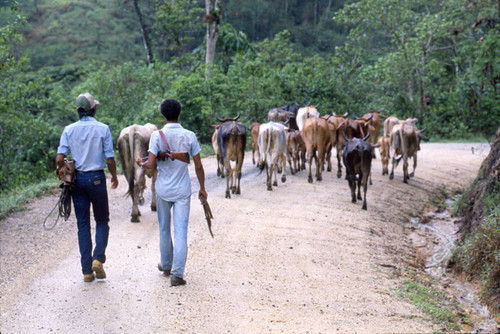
<point x="91" y="189"/>
<point x="173" y="253"/>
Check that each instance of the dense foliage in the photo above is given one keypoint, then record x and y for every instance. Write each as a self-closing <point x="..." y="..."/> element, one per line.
<point x="437" y="61"/>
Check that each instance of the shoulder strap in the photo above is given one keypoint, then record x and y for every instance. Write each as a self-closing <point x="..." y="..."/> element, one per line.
<point x="164" y="139"/>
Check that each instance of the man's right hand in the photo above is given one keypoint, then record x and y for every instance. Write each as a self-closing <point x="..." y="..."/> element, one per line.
<point x="114" y="182"/>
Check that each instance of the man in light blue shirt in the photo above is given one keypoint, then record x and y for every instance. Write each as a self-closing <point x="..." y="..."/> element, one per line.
<point x="173" y="189"/>
<point x="91" y="147"/>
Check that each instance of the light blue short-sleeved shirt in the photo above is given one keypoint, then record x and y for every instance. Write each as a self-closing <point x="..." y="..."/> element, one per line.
<point x="90" y="143"/>
<point x="173" y="180"/>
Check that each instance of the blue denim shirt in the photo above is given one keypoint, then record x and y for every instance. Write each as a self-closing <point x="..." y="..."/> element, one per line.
<point x="173" y="180"/>
<point x="90" y="143"/>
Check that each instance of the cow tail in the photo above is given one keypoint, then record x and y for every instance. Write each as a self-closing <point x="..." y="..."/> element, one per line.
<point x="264" y="160"/>
<point x="131" y="179"/>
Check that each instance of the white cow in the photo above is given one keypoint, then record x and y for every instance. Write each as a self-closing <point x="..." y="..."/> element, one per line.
<point x="304" y="113"/>
<point x="272" y="148"/>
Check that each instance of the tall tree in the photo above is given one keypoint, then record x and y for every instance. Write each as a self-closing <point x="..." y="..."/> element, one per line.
<point x="212" y="18"/>
<point x="145" y="34"/>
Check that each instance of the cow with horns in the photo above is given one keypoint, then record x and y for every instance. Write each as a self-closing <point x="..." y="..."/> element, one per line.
<point x="231" y="142"/>
<point x="357" y="158"/>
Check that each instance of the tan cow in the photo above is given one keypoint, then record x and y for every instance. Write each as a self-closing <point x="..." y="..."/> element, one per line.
<point x="316" y="135"/>
<point x="133" y="143"/>
<point x="254" y="134"/>
<point x="217" y="152"/>
<point x="405" y="141"/>
<point x="385" y="154"/>
<point x="391" y="121"/>
<point x="231" y="141"/>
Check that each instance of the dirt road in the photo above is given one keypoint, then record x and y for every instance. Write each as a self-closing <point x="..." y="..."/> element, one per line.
<point x="299" y="259"/>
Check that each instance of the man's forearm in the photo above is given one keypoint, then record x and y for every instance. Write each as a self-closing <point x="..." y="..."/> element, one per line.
<point x="200" y="174"/>
<point x="111" y="166"/>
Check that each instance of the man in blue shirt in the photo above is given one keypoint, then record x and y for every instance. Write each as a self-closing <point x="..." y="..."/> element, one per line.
<point x="91" y="147"/>
<point x="173" y="189"/>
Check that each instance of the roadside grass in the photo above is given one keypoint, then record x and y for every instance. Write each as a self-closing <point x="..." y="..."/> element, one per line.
<point x="480" y="251"/>
<point x="14" y="200"/>
<point x="438" y="199"/>
<point x="425" y="295"/>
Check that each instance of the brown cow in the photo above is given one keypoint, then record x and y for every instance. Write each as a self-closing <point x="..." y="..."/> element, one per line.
<point x="385" y="154"/>
<point x="254" y="134"/>
<point x="405" y="141"/>
<point x="334" y="122"/>
<point x="231" y="141"/>
<point x="133" y="143"/>
<point x="295" y="151"/>
<point x="316" y="135"/>
<point x="376" y="124"/>
<point x="279" y="115"/>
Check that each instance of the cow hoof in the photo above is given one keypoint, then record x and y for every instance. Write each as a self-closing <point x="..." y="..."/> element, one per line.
<point x="153" y="208"/>
<point x="391" y="176"/>
<point x="135" y="219"/>
<point x="283" y="179"/>
<point x="412" y="175"/>
<point x="364" y="207"/>
<point x="310" y="179"/>
<point x="319" y="178"/>
<point x="339" y="175"/>
<point x="405" y="181"/>
<point x="228" y="195"/>
<point x="354" y="200"/>
<point x="238" y="192"/>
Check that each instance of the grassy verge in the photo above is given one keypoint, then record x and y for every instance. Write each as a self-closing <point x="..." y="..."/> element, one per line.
<point x="14" y="200"/>
<point x="425" y="294"/>
<point x="479" y="254"/>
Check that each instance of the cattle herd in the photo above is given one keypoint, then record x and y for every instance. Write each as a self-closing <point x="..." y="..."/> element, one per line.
<point x="296" y="134"/>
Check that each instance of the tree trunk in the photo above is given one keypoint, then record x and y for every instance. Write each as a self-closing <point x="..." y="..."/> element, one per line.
<point x="212" y="18"/>
<point x="145" y="34"/>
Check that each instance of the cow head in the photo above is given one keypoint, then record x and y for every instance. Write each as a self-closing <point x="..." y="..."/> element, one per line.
<point x="227" y="119"/>
<point x="421" y="136"/>
<point x="365" y="138"/>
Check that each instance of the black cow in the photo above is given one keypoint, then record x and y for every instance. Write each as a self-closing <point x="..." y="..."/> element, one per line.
<point x="357" y="158"/>
<point x="231" y="142"/>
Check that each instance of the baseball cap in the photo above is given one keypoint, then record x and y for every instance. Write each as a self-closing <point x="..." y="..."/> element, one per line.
<point x="86" y="101"/>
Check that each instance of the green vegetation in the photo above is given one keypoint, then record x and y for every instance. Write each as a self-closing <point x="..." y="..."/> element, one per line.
<point x="433" y="302"/>
<point x="479" y="253"/>
<point x="15" y="199"/>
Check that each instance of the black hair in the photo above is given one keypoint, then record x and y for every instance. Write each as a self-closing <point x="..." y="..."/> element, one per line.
<point x="84" y="112"/>
<point x="170" y="109"/>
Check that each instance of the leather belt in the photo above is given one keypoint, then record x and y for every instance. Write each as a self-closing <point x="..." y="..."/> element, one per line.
<point x="90" y="171"/>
